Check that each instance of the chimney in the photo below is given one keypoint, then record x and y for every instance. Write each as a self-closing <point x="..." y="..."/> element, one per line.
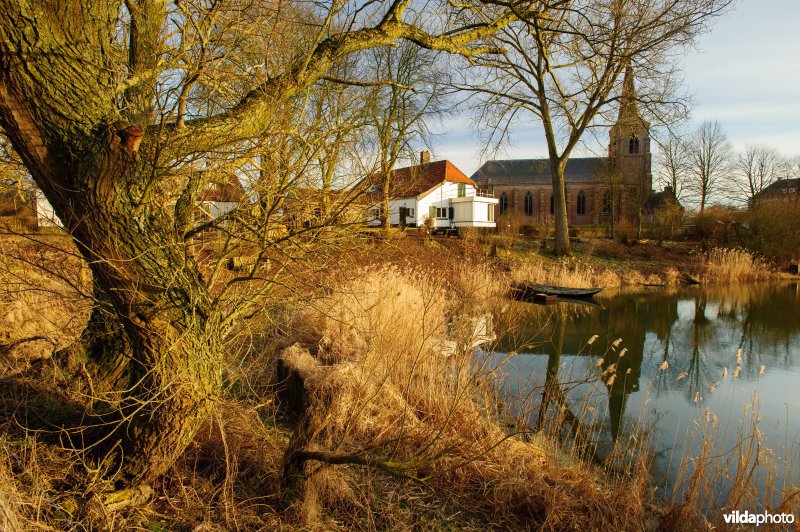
<point x="425" y="157"/>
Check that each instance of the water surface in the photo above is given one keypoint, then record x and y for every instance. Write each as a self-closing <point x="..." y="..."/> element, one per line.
<point x="683" y="361"/>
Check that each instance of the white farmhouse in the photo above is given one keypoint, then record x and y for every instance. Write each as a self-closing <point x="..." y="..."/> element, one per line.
<point x="218" y="198"/>
<point x="436" y="191"/>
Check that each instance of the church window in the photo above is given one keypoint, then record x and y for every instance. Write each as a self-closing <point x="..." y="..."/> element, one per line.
<point x="552" y="204"/>
<point x="528" y="204"/>
<point x="633" y="145"/>
<point x="503" y="203"/>
<point x="581" y="203"/>
<point x="607" y="204"/>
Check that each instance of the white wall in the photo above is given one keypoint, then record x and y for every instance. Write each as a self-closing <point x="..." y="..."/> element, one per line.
<point x="440" y="197"/>
<point x="45" y="215"/>
<point x="473" y="211"/>
<point x="394" y="212"/>
<point x="469" y="210"/>
<point x="219" y="208"/>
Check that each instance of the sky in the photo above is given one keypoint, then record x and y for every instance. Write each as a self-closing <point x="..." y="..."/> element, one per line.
<point x="745" y="74"/>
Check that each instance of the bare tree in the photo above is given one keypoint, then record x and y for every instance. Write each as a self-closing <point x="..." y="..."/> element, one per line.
<point x="123" y="113"/>
<point x="409" y="93"/>
<point x="757" y="168"/>
<point x="673" y="163"/>
<point x="710" y="161"/>
<point x="565" y="66"/>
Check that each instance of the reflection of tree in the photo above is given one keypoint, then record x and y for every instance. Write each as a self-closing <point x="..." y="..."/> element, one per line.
<point x="696" y="330"/>
<point x="552" y="392"/>
<point x="702" y="332"/>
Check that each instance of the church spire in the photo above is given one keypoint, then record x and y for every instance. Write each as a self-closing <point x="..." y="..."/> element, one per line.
<point x="628" y="107"/>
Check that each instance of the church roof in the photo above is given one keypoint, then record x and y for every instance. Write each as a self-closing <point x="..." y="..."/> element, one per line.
<point x="537" y="171"/>
<point x="628" y="102"/>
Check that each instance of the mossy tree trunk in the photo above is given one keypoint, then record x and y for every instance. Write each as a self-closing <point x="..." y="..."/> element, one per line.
<point x="79" y="106"/>
<point x="152" y="335"/>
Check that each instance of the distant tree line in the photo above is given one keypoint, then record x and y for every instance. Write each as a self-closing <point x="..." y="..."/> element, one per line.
<point x="702" y="167"/>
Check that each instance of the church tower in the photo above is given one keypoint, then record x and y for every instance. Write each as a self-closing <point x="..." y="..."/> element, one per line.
<point x="629" y="143"/>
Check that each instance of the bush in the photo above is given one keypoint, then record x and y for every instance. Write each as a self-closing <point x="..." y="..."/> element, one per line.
<point x="770" y="229"/>
<point x="625" y="232"/>
<point x="774" y="230"/>
<point x="712" y="226"/>
<point x="667" y="220"/>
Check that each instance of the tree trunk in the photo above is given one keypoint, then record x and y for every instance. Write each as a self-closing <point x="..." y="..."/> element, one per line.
<point x="153" y="328"/>
<point x="158" y="299"/>
<point x="385" y="214"/>
<point x="561" y="246"/>
<point x="103" y="349"/>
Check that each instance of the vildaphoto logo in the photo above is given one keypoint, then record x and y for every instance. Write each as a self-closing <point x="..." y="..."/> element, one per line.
<point x="746" y="518"/>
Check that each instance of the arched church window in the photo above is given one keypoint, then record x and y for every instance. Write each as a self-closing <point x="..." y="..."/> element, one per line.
<point x="633" y="145"/>
<point x="607" y="203"/>
<point x="552" y="205"/>
<point x="581" y="203"/>
<point x="528" y="204"/>
<point x="503" y="202"/>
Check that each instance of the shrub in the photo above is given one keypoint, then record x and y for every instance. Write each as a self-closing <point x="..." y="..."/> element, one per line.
<point x="774" y="230"/>
<point x="667" y="220"/>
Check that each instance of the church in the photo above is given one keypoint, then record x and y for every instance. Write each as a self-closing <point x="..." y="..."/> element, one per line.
<point x="596" y="187"/>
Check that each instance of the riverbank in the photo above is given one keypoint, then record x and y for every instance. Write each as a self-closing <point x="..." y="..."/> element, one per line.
<point x="370" y="423"/>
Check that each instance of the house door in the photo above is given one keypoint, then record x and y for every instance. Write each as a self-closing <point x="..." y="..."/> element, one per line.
<point x="451" y="213"/>
<point x="403" y="215"/>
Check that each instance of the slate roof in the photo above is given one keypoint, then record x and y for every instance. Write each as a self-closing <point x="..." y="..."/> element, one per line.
<point x="537" y="171"/>
<point x="782" y="186"/>
<point x="413" y="181"/>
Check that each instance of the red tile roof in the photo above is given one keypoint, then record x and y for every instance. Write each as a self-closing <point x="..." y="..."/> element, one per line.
<point x="231" y="191"/>
<point x="419" y="179"/>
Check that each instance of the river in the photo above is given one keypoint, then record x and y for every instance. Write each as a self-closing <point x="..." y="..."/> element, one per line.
<point x="677" y="364"/>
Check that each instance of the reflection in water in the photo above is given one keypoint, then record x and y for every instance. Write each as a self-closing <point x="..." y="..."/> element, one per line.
<point x="684" y="346"/>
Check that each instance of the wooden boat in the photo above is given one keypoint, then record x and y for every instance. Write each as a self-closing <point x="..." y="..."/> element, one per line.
<point x="528" y="290"/>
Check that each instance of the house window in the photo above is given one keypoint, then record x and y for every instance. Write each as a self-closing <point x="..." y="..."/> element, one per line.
<point x="462" y="190"/>
<point x="503" y="203"/>
<point x="441" y="212"/>
<point x="633" y="145"/>
<point x="552" y="204"/>
<point x="607" y="203"/>
<point x="581" y="203"/>
<point x="411" y="211"/>
<point x="529" y="204"/>
<point x="491" y="212"/>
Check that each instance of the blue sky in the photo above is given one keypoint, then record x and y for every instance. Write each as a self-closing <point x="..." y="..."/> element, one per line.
<point x="745" y="73"/>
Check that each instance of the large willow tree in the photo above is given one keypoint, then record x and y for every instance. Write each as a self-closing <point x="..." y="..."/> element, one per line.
<point x="108" y="102"/>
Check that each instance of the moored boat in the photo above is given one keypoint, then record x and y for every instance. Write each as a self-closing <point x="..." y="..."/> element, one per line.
<point x="529" y="290"/>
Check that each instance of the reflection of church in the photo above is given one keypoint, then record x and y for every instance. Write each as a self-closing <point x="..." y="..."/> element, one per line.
<point x="629" y="317"/>
<point x="596" y="187"/>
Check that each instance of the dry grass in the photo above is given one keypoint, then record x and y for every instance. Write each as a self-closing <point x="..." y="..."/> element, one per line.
<point x="726" y="265"/>
<point x="720" y="478"/>
<point x="43" y="289"/>
<point x="10" y="500"/>
<point x="380" y="386"/>
<point x="572" y="272"/>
